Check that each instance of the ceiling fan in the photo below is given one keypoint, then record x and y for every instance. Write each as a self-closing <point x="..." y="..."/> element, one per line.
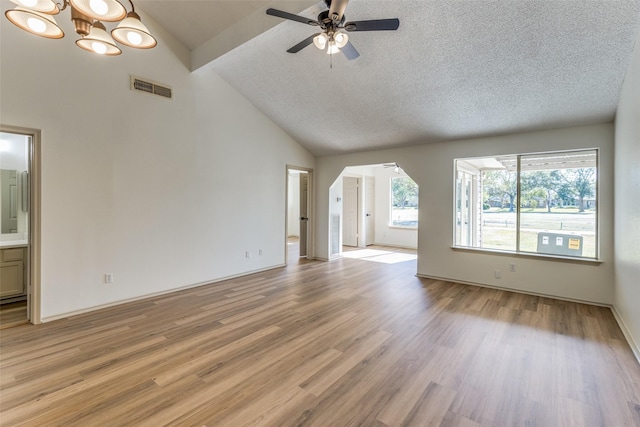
<point x="333" y="37"/>
<point x="394" y="165"/>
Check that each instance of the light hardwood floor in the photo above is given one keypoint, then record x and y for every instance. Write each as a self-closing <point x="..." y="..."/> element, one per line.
<point x="13" y="314"/>
<point x="345" y="343"/>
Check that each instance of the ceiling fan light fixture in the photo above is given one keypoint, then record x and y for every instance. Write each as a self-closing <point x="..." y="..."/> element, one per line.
<point x="341" y="39"/>
<point x="43" y="6"/>
<point x="133" y="33"/>
<point x="320" y="41"/>
<point x="37" y="23"/>
<point x="98" y="41"/>
<point x="101" y="10"/>
<point x="332" y="47"/>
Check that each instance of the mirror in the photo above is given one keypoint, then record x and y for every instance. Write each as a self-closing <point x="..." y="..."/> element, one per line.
<point x="14" y="220"/>
<point x="9" y="200"/>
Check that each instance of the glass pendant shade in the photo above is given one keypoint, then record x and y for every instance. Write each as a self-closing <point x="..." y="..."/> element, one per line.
<point x="341" y="39"/>
<point x="42" y="6"/>
<point x="98" y="41"/>
<point x="100" y="10"/>
<point x="320" y="41"/>
<point x="133" y="33"/>
<point x="333" y="48"/>
<point x="36" y="23"/>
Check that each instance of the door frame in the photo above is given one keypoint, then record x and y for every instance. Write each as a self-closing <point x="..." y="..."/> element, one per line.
<point x="369" y="185"/>
<point x="310" y="210"/>
<point x="34" y="261"/>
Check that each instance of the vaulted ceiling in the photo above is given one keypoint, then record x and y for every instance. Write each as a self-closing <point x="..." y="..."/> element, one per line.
<point x="453" y="70"/>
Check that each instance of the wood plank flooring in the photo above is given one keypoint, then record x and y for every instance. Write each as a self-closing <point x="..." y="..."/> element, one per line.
<point x="13" y="314"/>
<point x="346" y="343"/>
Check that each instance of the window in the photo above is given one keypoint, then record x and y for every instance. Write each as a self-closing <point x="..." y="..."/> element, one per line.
<point x="534" y="203"/>
<point x="404" y="202"/>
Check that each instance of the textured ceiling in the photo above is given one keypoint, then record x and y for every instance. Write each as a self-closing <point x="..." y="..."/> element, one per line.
<point x="194" y="22"/>
<point x="454" y="69"/>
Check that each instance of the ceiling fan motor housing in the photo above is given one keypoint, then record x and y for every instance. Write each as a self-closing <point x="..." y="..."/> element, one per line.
<point x="326" y="22"/>
<point x="332" y="22"/>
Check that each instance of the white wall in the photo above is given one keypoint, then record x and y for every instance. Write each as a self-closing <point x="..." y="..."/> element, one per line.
<point x="334" y="204"/>
<point x="386" y="235"/>
<point x="627" y="202"/>
<point x="161" y="193"/>
<point x="431" y="167"/>
<point x="14" y="152"/>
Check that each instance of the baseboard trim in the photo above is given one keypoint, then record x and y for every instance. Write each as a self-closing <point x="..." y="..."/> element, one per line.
<point x="635" y="348"/>
<point x="155" y="294"/>
<point x="389" y="245"/>
<point x="519" y="291"/>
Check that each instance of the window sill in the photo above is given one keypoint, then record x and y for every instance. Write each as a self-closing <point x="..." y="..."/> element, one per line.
<point x="546" y="257"/>
<point x="397" y="227"/>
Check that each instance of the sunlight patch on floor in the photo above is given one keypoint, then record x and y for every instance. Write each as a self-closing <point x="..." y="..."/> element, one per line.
<point x="375" y="255"/>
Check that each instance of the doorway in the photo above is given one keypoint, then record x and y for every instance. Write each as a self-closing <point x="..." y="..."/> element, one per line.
<point x="373" y="204"/>
<point x="358" y="211"/>
<point x="19" y="226"/>
<point x="298" y="213"/>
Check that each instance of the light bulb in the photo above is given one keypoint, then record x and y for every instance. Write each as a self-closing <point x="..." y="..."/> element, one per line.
<point x="341" y="39"/>
<point x="134" y="38"/>
<point x="320" y="41"/>
<point x="99" y="48"/>
<point x="36" y="25"/>
<point x="99" y="6"/>
<point x="332" y="48"/>
<point x="29" y="3"/>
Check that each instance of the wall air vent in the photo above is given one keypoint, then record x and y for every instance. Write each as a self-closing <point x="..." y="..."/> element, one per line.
<point x="153" y="88"/>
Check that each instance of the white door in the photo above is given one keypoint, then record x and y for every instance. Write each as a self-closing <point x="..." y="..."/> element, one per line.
<point x="350" y="211"/>
<point x="304" y="213"/>
<point x="369" y="210"/>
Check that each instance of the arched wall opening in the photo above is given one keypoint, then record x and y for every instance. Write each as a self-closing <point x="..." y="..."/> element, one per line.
<point x="373" y="205"/>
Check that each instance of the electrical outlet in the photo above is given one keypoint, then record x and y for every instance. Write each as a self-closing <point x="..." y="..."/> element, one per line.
<point x="108" y="278"/>
<point x="247" y="255"/>
<point x="512" y="268"/>
<point x="498" y="274"/>
<point x="259" y="251"/>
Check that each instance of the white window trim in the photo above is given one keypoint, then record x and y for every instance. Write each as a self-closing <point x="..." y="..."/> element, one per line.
<point x="518" y="252"/>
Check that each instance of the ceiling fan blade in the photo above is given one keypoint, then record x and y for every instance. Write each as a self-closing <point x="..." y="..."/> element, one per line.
<point x="337" y="8"/>
<point x="350" y="52"/>
<point x="286" y="15"/>
<point x="373" y="25"/>
<point x="304" y="43"/>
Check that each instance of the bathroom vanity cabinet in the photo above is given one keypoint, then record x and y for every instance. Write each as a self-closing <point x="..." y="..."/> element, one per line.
<point x="13" y="277"/>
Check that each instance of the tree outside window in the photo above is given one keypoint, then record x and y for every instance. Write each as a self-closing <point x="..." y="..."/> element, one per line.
<point x="404" y="202"/>
<point x="540" y="203"/>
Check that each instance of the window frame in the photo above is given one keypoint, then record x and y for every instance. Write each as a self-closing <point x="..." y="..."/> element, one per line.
<point x="391" y="197"/>
<point x="476" y="241"/>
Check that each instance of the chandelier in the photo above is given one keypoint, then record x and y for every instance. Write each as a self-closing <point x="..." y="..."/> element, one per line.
<point x="36" y="17"/>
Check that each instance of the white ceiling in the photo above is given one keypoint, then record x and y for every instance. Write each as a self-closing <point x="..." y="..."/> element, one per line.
<point x="453" y="70"/>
